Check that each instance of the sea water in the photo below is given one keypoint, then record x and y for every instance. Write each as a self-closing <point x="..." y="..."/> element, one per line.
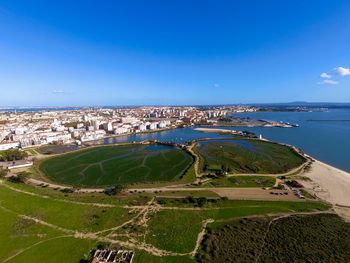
<point x="323" y="135"/>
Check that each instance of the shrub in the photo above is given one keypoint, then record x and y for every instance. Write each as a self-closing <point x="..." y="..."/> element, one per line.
<point x="19" y="178"/>
<point x="67" y="190"/>
<point x="3" y="172"/>
<point x="12" y="155"/>
<point x="114" y="190"/>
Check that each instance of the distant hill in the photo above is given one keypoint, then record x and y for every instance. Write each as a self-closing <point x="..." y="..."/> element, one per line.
<point x="306" y="104"/>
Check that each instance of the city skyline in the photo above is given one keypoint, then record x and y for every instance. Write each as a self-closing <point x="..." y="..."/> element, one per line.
<point x="188" y="53"/>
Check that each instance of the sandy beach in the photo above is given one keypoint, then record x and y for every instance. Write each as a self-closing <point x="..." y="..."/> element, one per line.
<point x="330" y="184"/>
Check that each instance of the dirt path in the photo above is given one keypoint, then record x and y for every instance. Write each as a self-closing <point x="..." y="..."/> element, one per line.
<point x="196" y="160"/>
<point x="200" y="236"/>
<point x="142" y="212"/>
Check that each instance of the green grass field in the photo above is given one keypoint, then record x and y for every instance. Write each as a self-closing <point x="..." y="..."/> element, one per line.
<point x="170" y="229"/>
<point x="246" y="156"/>
<point x="43" y="225"/>
<point x="125" y="164"/>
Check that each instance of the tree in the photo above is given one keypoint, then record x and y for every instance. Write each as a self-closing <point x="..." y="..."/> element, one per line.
<point x="201" y="201"/>
<point x="19" y="178"/>
<point x="13" y="155"/>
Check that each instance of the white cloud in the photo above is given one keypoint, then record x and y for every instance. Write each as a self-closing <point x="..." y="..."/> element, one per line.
<point x="58" y="91"/>
<point x="343" y="71"/>
<point x="61" y="91"/>
<point x="329" y="82"/>
<point x="325" y="75"/>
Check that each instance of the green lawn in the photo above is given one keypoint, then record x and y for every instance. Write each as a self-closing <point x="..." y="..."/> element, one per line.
<point x="125" y="164"/>
<point x="246" y="156"/>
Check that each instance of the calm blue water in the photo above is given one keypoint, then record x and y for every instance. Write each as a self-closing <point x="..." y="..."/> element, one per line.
<point x="324" y="135"/>
<point x="181" y="135"/>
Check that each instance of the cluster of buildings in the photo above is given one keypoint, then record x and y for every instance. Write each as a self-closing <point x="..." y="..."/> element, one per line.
<point x="111" y="255"/>
<point x="33" y="128"/>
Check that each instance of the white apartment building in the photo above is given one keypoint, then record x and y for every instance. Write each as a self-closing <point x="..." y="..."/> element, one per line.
<point x="95" y="124"/>
<point x="129" y="119"/>
<point x="108" y="126"/>
<point x="164" y="123"/>
<point x="142" y="127"/>
<point x="9" y="145"/>
<point x="153" y="126"/>
<point x="93" y="135"/>
<point x="121" y="130"/>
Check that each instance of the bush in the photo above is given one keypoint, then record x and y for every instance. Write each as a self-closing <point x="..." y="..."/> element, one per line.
<point x="19" y="178"/>
<point x="3" y="172"/>
<point x="67" y="190"/>
<point x="12" y="155"/>
<point x="114" y="190"/>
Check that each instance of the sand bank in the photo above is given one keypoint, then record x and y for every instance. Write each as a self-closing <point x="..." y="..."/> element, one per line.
<point x="329" y="183"/>
<point x="332" y="185"/>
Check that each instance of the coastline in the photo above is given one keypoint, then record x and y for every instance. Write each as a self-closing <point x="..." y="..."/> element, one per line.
<point x="328" y="183"/>
<point x="331" y="185"/>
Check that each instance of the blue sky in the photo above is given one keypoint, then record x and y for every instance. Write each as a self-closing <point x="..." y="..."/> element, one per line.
<point x="129" y="52"/>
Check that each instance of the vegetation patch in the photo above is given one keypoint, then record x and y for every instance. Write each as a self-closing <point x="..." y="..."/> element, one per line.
<point x="111" y="165"/>
<point x="177" y="231"/>
<point x="241" y="181"/>
<point x="12" y="155"/>
<point x="307" y="238"/>
<point x="246" y="156"/>
<point x="36" y="222"/>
